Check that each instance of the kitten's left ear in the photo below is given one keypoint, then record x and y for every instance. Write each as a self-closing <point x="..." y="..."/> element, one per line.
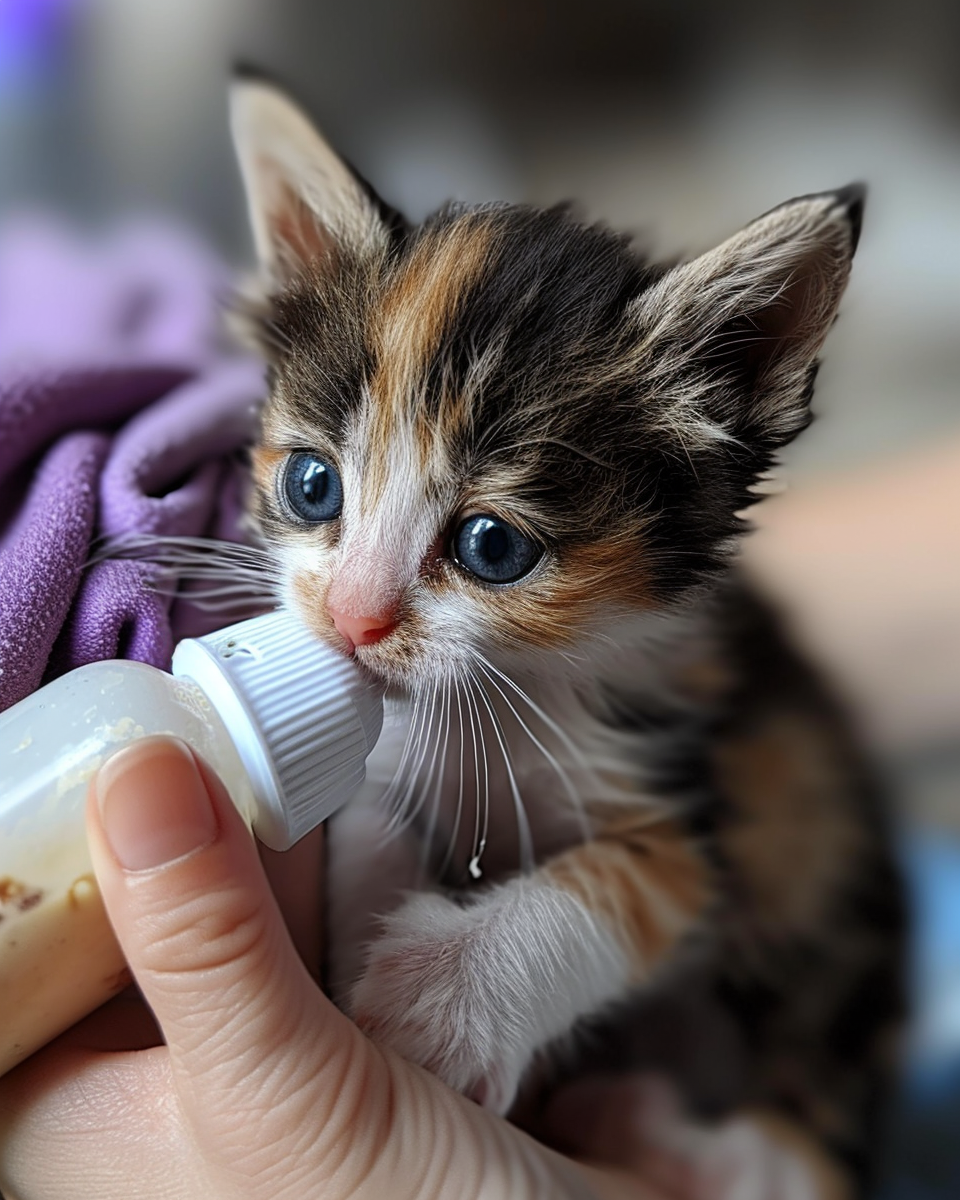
<point x="731" y="338"/>
<point x="306" y="205"/>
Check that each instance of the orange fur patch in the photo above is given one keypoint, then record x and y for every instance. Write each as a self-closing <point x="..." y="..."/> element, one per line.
<point x="418" y="306"/>
<point x="265" y="464"/>
<point x="310" y="595"/>
<point x="553" y="609"/>
<point x="831" y="1181"/>
<point x="647" y="880"/>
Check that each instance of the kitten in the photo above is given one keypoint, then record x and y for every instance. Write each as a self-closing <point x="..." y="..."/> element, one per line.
<point x="501" y="465"/>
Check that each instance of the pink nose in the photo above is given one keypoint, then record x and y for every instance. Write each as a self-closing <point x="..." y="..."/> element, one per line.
<point x="362" y="631"/>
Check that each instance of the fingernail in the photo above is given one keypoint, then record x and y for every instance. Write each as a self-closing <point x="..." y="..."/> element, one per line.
<point x="154" y="805"/>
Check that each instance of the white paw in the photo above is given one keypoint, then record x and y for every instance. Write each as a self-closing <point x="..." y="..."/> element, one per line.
<point x="736" y="1159"/>
<point x="434" y="991"/>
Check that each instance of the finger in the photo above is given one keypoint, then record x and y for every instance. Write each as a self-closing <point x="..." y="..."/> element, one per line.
<point x="247" y="1030"/>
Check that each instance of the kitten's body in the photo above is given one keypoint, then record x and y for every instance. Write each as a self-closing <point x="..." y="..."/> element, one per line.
<point x="788" y="997"/>
<point x="531" y="450"/>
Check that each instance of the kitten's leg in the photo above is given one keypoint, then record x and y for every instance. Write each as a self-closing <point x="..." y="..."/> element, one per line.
<point x="472" y="991"/>
<point x="637" y="1122"/>
<point x="752" y="1155"/>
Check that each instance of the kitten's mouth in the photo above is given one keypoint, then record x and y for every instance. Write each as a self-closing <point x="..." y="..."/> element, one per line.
<point x="367" y="664"/>
<point x="367" y="648"/>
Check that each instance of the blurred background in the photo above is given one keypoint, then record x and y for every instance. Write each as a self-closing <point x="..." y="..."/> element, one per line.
<point x="676" y="119"/>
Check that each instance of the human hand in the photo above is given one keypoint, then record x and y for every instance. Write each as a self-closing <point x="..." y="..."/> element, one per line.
<point x="263" y="1089"/>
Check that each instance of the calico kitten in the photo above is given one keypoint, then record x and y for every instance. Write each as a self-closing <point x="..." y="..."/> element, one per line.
<point x="502" y="463"/>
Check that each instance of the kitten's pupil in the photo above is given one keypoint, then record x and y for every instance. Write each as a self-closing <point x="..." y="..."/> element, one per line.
<point x="312" y="488"/>
<point x="495" y="543"/>
<point x="493" y="550"/>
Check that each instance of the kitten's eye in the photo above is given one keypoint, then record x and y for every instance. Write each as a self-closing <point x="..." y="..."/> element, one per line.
<point x="312" y="488"/>
<point x="493" y="550"/>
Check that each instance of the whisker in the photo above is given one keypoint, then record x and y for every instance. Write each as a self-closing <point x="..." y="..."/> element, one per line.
<point x="410" y="763"/>
<point x="243" y="575"/>
<point x="188" y="551"/>
<point x="576" y="803"/>
<point x="523" y="824"/>
<point x="214" y="600"/>
<point x="481" y="813"/>
<point x="404" y="806"/>
<point x="455" y="831"/>
<point x="541" y="713"/>
<point x="441" y="774"/>
<point x="407" y="812"/>
<point x="388" y="799"/>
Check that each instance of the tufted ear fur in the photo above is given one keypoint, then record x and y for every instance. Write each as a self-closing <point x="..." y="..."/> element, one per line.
<point x="306" y="205"/>
<point x="730" y="339"/>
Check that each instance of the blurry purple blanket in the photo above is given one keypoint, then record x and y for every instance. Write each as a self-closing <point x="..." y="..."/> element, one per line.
<point x="122" y="410"/>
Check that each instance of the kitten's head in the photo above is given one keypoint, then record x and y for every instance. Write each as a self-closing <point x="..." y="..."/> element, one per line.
<point x="501" y="432"/>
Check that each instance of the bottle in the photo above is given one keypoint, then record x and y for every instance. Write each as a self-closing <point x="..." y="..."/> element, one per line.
<point x="286" y="722"/>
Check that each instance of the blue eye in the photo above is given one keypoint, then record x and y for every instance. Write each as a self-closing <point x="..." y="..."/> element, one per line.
<point x="312" y="488"/>
<point x="493" y="550"/>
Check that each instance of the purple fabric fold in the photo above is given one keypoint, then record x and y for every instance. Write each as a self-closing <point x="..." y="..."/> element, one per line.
<point x="116" y="614"/>
<point x="122" y="411"/>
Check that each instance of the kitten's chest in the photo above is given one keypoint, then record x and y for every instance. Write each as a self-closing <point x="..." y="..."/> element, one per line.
<point x="494" y="781"/>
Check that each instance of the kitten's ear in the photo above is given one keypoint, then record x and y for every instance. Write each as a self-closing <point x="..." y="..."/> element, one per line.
<point x="731" y="338"/>
<point x="305" y="203"/>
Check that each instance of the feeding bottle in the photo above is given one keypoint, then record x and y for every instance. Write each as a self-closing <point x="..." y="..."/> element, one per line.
<point x="287" y="724"/>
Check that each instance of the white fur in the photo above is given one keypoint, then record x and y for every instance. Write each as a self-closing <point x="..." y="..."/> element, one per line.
<point x="472" y="992"/>
<point x="735" y="1159"/>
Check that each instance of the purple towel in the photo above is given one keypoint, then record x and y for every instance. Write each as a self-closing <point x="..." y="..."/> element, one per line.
<point x="122" y="411"/>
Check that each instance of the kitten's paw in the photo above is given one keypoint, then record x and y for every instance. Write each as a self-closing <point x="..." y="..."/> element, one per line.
<point x="434" y="991"/>
<point x="740" y="1158"/>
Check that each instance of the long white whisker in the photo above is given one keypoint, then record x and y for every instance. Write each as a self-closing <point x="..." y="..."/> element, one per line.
<point x="221" y="595"/>
<point x="217" y="602"/>
<point x="388" y="799"/>
<point x="406" y="806"/>
<point x="537" y="710"/>
<point x="407" y="773"/>
<point x="455" y="831"/>
<point x="165" y="548"/>
<point x="481" y="812"/>
<point x="576" y="803"/>
<point x="241" y="575"/>
<point x="441" y="774"/>
<point x="419" y="783"/>
<point x="523" y="825"/>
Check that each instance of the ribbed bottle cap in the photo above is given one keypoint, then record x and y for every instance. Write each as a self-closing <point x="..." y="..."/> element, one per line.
<point x="303" y="717"/>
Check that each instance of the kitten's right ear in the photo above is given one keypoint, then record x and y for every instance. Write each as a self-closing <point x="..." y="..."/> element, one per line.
<point x="305" y="203"/>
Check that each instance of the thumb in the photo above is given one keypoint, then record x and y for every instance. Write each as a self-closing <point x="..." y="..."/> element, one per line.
<point x="278" y="1093"/>
<point x="255" y="1049"/>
